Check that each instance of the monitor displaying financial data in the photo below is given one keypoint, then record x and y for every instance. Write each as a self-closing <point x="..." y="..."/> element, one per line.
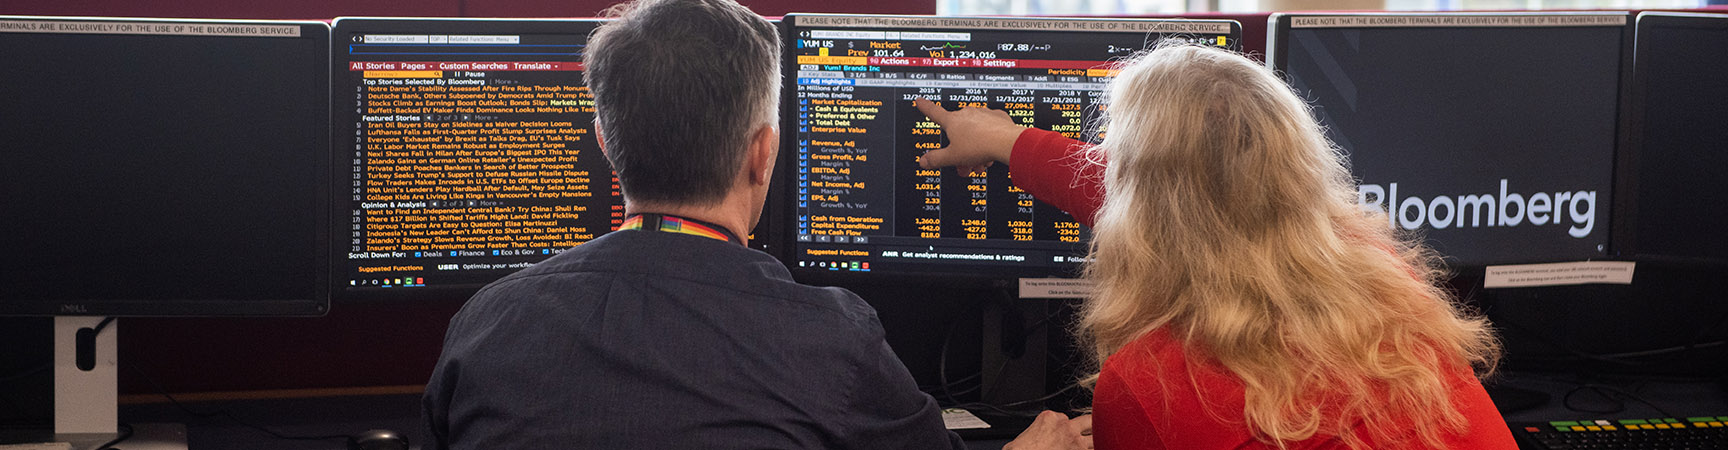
<point x="164" y="167"/>
<point x="1492" y="135"/>
<point x="856" y="199"/>
<point x="465" y="151"/>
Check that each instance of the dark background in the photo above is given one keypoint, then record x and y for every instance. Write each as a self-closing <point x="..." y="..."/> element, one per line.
<point x="395" y="343"/>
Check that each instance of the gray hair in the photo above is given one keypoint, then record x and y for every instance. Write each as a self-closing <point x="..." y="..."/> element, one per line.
<point x="679" y="86"/>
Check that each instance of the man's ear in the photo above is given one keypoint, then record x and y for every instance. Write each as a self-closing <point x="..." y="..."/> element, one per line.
<point x="764" y="146"/>
<point x="600" y="140"/>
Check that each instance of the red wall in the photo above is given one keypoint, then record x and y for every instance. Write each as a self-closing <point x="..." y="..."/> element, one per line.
<point x="357" y="344"/>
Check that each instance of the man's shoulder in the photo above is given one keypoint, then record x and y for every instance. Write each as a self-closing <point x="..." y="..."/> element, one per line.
<point x="639" y="265"/>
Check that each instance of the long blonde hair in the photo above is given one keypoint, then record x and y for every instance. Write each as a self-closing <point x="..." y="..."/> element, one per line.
<point x="1230" y="222"/>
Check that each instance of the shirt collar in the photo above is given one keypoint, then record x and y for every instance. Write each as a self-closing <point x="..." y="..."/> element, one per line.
<point x="681" y="225"/>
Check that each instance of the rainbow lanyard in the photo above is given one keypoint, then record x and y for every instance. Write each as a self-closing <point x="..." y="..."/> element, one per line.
<point x="673" y="224"/>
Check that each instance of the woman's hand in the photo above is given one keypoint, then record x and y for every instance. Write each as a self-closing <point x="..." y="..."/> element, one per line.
<point x="977" y="137"/>
<point x="1052" y="430"/>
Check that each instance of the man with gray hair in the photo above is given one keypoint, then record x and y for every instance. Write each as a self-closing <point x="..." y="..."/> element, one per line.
<point x="670" y="333"/>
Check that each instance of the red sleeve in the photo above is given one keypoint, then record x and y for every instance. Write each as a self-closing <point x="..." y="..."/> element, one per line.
<point x="1051" y="168"/>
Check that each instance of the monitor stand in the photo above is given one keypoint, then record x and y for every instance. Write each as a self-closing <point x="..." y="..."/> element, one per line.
<point x="86" y="402"/>
<point x="1014" y="354"/>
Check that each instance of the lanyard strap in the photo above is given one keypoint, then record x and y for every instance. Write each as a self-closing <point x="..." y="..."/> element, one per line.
<point x="674" y="224"/>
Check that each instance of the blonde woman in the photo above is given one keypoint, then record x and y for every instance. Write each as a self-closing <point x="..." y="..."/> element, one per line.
<point x="1243" y="299"/>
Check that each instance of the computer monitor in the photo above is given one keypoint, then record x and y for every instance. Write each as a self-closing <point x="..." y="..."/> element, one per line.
<point x="164" y="167"/>
<point x="1677" y="205"/>
<point x="466" y="151"/>
<point x="856" y="201"/>
<point x="1493" y="135"/>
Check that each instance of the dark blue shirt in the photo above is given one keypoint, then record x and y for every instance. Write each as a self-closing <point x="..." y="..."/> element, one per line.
<point x="653" y="340"/>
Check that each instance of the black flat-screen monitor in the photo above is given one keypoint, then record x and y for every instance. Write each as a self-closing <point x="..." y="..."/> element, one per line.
<point x="466" y="151"/>
<point x="1680" y="87"/>
<point x="164" y="167"/>
<point x="855" y="200"/>
<point x="1493" y="135"/>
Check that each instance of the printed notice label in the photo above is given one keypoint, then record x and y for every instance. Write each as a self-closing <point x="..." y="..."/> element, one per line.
<point x="1055" y="288"/>
<point x="960" y="419"/>
<point x="165" y="28"/>
<point x="1459" y="20"/>
<point x="1559" y="274"/>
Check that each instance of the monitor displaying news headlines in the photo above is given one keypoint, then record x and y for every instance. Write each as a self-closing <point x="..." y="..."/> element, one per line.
<point x="465" y="151"/>
<point x="1492" y="135"/>
<point x="855" y="200"/>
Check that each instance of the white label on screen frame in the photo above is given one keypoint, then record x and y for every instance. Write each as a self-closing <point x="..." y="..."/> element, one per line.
<point x="1055" y="288"/>
<point x="1559" y="274"/>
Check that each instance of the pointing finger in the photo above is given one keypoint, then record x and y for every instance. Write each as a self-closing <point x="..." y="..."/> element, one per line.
<point x="929" y="108"/>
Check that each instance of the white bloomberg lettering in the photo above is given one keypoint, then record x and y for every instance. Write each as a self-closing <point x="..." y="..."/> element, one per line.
<point x="1507" y="209"/>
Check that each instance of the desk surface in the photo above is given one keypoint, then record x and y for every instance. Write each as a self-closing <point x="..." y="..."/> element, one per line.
<point x="308" y="417"/>
<point x="401" y="413"/>
<point x="1677" y="397"/>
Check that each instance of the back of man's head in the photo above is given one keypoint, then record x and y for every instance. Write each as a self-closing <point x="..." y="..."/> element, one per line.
<point x="679" y="87"/>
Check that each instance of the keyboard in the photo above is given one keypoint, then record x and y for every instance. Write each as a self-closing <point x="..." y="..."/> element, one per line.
<point x="1699" y="433"/>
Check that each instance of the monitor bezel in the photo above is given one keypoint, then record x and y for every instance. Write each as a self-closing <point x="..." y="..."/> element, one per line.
<point x="943" y="274"/>
<point x="1277" y="59"/>
<point x="316" y="305"/>
<point x="1626" y="205"/>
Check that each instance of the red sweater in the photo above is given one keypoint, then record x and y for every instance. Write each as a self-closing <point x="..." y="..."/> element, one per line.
<point x="1147" y="396"/>
<point x="1051" y="167"/>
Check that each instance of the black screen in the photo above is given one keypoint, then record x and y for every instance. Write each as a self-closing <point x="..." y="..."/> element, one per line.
<point x="1493" y="135"/>
<point x="161" y="167"/>
<point x="1682" y="73"/>
<point x="856" y="198"/>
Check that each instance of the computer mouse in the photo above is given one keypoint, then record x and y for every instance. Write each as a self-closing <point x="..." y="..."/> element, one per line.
<point x="378" y="440"/>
